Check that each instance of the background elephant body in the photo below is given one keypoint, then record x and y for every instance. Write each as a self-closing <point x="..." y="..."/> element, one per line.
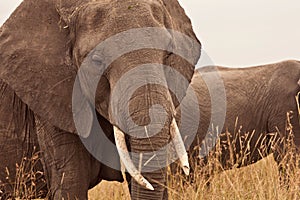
<point x="73" y="62"/>
<point x="259" y="101"/>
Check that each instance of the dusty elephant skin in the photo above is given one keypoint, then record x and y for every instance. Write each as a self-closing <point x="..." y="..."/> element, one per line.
<point x="44" y="43"/>
<point x="257" y="102"/>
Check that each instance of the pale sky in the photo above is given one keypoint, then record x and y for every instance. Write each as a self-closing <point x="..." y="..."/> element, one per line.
<point x="237" y="32"/>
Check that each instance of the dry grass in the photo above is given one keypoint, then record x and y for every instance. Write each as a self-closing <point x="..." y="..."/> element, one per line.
<point x="27" y="182"/>
<point x="256" y="181"/>
<point x="109" y="190"/>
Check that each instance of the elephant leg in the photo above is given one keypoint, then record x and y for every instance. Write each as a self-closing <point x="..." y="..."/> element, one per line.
<point x="287" y="144"/>
<point x="20" y="168"/>
<point x="165" y="195"/>
<point x="285" y="156"/>
<point x="68" y="165"/>
<point x="285" y="168"/>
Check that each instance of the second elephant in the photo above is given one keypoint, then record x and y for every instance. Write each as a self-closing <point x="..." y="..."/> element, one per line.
<point x="256" y="105"/>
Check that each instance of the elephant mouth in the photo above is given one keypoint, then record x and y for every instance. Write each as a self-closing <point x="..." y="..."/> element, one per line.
<point x="128" y="163"/>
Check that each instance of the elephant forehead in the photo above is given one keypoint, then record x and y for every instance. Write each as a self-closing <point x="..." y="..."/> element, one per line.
<point x="97" y="23"/>
<point x="101" y="22"/>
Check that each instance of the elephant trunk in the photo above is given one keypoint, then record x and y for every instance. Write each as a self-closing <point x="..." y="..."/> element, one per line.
<point x="150" y="155"/>
<point x="142" y="108"/>
<point x="149" y="137"/>
<point x="145" y="118"/>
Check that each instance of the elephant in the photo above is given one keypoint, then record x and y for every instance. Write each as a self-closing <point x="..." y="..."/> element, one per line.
<point x="255" y="105"/>
<point x="101" y="81"/>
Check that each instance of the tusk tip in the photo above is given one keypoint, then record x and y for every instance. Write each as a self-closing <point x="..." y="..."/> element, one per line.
<point x="148" y="185"/>
<point x="186" y="170"/>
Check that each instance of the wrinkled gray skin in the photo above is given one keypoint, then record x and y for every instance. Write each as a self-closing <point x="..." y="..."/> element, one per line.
<point x="257" y="99"/>
<point x="44" y="43"/>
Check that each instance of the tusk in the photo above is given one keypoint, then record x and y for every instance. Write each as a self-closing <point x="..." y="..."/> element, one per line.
<point x="126" y="160"/>
<point x="179" y="147"/>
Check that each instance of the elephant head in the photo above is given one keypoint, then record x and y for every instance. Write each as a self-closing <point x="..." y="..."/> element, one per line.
<point x="120" y="57"/>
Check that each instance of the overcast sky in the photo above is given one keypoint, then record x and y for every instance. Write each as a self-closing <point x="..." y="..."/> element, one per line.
<point x="234" y="32"/>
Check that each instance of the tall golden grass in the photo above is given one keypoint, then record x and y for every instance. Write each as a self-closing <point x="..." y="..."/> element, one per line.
<point x="257" y="181"/>
<point x="260" y="180"/>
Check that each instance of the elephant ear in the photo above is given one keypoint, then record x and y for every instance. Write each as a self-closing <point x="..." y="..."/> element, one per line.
<point x="35" y="61"/>
<point x="187" y="45"/>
